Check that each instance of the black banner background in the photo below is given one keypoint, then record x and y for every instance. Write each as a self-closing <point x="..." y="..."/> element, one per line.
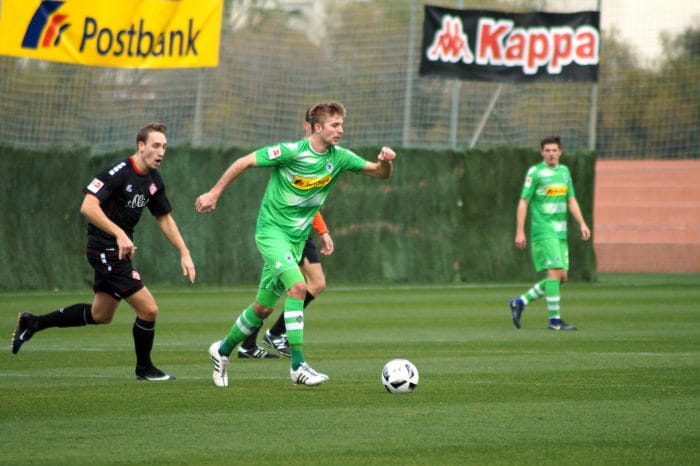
<point x="503" y="73"/>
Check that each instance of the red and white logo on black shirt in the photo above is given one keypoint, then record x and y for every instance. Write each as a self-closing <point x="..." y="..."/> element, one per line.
<point x="95" y="185"/>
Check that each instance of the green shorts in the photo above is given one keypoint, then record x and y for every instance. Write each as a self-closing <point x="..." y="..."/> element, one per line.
<point x="282" y="257"/>
<point x="550" y="253"/>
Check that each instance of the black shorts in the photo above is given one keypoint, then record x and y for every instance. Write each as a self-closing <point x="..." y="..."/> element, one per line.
<point x="113" y="276"/>
<point x="310" y="253"/>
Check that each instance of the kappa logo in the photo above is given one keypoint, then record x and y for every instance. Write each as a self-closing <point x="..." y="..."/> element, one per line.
<point x="450" y="43"/>
<point x="46" y="26"/>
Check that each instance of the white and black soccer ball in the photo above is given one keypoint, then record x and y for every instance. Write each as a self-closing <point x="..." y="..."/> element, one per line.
<point x="400" y="376"/>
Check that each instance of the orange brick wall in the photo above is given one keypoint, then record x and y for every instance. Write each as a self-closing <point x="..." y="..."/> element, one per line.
<point x="647" y="216"/>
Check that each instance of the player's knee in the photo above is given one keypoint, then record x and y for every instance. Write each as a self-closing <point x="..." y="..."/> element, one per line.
<point x="298" y="290"/>
<point x="317" y="287"/>
<point x="261" y="311"/>
<point x="102" y="319"/>
<point x="149" y="314"/>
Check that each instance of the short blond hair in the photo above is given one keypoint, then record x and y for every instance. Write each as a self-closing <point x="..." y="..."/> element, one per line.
<point x="318" y="113"/>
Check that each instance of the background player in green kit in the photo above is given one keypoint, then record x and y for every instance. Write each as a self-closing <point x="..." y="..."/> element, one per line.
<point x="547" y="192"/>
<point x="302" y="175"/>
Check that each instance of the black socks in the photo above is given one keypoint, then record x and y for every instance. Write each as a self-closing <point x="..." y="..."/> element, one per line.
<point x="144" y="334"/>
<point x="309" y="297"/>
<point x="76" y="315"/>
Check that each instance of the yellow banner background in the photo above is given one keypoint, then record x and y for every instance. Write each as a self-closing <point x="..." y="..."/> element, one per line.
<point x="124" y="33"/>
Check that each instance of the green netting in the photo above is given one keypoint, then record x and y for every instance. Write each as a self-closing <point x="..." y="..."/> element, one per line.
<point x="443" y="217"/>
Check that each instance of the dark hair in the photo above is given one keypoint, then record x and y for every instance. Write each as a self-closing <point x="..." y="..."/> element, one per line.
<point x="320" y="111"/>
<point x="142" y="134"/>
<point x="550" y="140"/>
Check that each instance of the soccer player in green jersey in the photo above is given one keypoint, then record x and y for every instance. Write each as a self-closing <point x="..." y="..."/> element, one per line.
<point x="310" y="265"/>
<point x="301" y="177"/>
<point x="547" y="192"/>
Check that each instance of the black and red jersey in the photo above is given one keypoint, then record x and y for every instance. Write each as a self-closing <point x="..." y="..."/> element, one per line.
<point x="124" y="191"/>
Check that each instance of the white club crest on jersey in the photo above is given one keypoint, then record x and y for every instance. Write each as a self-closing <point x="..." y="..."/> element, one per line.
<point x="329" y="167"/>
<point x="95" y="185"/>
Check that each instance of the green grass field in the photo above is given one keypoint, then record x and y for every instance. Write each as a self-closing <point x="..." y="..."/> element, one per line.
<point x="624" y="389"/>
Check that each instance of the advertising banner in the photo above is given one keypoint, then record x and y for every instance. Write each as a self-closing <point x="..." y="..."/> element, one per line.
<point x="491" y="45"/>
<point x="124" y="33"/>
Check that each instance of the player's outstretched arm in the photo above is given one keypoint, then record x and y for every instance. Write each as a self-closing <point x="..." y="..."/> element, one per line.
<point x="93" y="212"/>
<point x="167" y="225"/>
<point x="383" y="168"/>
<point x="520" y="216"/>
<point x="327" y="246"/>
<point x="207" y="201"/>
<point x="575" y="210"/>
<point x="319" y="225"/>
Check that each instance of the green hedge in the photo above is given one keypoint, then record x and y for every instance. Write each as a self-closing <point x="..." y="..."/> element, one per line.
<point x="443" y="217"/>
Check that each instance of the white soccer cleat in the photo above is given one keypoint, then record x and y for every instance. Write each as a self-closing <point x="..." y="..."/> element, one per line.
<point x="305" y="375"/>
<point x="220" y="374"/>
<point x="323" y="376"/>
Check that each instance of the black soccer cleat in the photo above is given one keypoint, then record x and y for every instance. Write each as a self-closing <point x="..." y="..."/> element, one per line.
<point x="516" y="310"/>
<point x="558" y="324"/>
<point x="277" y="342"/>
<point x="255" y="353"/>
<point x="27" y="326"/>
<point x="152" y="374"/>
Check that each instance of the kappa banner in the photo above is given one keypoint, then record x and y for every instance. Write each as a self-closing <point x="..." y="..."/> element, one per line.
<point x="492" y="45"/>
<point x="127" y="33"/>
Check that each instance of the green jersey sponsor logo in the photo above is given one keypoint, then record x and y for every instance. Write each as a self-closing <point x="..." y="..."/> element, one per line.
<point x="309" y="183"/>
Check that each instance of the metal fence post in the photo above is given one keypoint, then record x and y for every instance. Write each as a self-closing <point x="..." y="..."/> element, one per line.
<point x="408" y="95"/>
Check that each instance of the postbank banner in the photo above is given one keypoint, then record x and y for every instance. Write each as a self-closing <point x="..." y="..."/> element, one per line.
<point x="115" y="33"/>
<point x="491" y="45"/>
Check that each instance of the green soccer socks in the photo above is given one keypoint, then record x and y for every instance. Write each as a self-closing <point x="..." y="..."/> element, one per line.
<point x="553" y="298"/>
<point x="534" y="293"/>
<point x="246" y="324"/>
<point x="294" y="323"/>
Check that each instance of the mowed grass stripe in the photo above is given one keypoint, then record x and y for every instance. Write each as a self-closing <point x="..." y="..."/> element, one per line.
<point x="621" y="390"/>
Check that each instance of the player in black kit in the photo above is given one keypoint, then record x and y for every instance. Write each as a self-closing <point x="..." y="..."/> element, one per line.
<point x="113" y="203"/>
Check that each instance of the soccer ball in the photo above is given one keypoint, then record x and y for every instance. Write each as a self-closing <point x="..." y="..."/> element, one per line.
<point x="400" y="376"/>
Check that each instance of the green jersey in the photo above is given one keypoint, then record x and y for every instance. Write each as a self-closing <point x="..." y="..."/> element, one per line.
<point x="547" y="189"/>
<point x="299" y="184"/>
